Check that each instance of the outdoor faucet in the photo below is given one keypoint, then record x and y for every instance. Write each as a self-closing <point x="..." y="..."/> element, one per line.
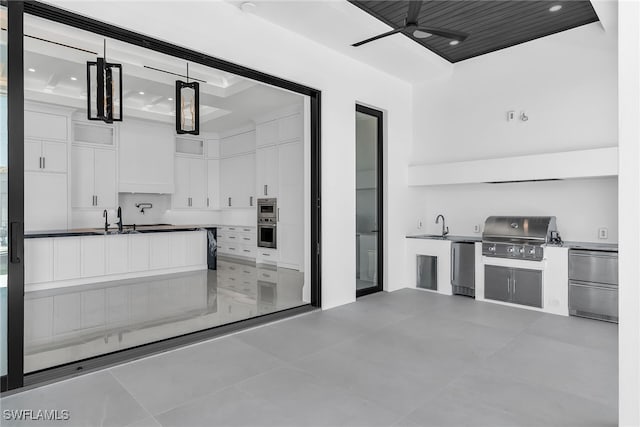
<point x="106" y="222"/>
<point x="445" y="230"/>
<point x="119" y="219"/>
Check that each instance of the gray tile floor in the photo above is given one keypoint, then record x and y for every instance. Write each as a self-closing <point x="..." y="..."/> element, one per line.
<point x="407" y="358"/>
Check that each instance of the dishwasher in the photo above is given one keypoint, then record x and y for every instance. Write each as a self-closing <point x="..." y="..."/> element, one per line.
<point x="463" y="268"/>
<point x="593" y="284"/>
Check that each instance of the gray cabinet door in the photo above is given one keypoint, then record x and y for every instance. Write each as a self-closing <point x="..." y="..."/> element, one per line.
<point x="497" y="282"/>
<point x="527" y="287"/>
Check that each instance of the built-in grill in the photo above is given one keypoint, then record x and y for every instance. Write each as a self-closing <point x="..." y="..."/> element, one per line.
<point x="518" y="237"/>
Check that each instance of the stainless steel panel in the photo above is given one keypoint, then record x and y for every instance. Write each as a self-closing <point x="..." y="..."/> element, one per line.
<point x="526" y="287"/>
<point x="597" y="302"/>
<point x="593" y="266"/>
<point x="518" y="228"/>
<point x="463" y="265"/>
<point x="497" y="283"/>
<point x="427" y="272"/>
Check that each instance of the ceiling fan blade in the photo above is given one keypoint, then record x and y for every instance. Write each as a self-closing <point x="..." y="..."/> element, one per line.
<point x="414" y="11"/>
<point x="449" y="34"/>
<point x="379" y="36"/>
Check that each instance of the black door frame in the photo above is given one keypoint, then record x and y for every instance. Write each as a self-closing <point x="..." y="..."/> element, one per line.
<point x="378" y="114"/>
<point x="15" y="377"/>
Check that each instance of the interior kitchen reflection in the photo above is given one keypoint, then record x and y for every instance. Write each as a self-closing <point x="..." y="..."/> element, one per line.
<point x="135" y="232"/>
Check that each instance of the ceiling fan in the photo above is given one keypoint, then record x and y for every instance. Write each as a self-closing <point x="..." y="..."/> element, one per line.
<point x="412" y="27"/>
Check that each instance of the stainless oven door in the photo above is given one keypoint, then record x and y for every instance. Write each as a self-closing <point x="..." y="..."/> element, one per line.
<point x="267" y="236"/>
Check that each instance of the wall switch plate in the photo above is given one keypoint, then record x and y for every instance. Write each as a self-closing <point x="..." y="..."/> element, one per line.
<point x="603" y="233"/>
<point x="419" y="224"/>
<point x="511" y="115"/>
<point x="476" y="228"/>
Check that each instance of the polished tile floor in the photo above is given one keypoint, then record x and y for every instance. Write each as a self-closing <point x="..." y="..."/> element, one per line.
<point x="407" y="358"/>
<point x="72" y="323"/>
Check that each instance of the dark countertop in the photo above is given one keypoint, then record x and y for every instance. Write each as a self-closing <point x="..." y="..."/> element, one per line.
<point x="447" y="237"/>
<point x="163" y="228"/>
<point x="592" y="246"/>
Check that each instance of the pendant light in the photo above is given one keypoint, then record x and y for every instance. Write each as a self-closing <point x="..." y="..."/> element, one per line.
<point x="187" y="106"/>
<point x="104" y="90"/>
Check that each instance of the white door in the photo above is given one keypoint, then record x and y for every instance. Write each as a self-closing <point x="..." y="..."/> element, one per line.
<point x="197" y="183"/>
<point x="267" y="171"/>
<point x="82" y="172"/>
<point x="45" y="201"/>
<point x="54" y="156"/>
<point x="228" y="182"/>
<point x="105" y="178"/>
<point x="32" y="155"/>
<point x="181" y="194"/>
<point x="213" y="184"/>
<point x="245" y="178"/>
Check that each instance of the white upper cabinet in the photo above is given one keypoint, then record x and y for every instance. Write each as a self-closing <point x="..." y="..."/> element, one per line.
<point x="290" y="128"/>
<point x="45" y="156"/>
<point x="93" y="182"/>
<point x="213" y="184"/>
<point x="267" y="133"/>
<point x="212" y="147"/>
<point x="146" y="156"/>
<point x="190" y="183"/>
<point x="267" y="171"/>
<point x="240" y="143"/>
<point x="237" y="177"/>
<point x="45" y="126"/>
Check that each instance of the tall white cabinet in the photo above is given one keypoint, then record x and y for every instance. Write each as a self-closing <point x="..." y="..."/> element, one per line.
<point x="46" y="168"/>
<point x="238" y="170"/>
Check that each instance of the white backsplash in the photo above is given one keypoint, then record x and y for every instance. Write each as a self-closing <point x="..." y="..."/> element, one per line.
<point x="155" y="215"/>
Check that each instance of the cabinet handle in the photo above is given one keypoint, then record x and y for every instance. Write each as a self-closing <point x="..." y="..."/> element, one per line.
<point x="265" y="189"/>
<point x="250" y="200"/>
<point x="40" y="158"/>
<point x="96" y="200"/>
<point x="246" y="238"/>
<point x="246" y="250"/>
<point x="207" y="202"/>
<point x="229" y="201"/>
<point x="453" y="269"/>
<point x="278" y="218"/>
<point x="508" y="286"/>
<point x="44" y="163"/>
<point x="514" y="285"/>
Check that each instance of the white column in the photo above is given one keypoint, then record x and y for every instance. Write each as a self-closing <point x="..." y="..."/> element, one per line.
<point x="629" y="211"/>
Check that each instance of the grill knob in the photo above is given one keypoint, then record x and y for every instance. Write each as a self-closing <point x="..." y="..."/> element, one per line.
<point x="532" y="251"/>
<point x="521" y="250"/>
<point x="492" y="248"/>
<point x="510" y="249"/>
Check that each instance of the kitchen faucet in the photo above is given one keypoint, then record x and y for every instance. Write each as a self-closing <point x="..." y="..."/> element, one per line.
<point x="106" y="223"/>
<point x="119" y="222"/>
<point x="445" y="230"/>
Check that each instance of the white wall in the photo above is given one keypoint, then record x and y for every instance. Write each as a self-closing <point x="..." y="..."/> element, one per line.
<point x="580" y="205"/>
<point x="629" y="268"/>
<point x="222" y="30"/>
<point x="567" y="85"/>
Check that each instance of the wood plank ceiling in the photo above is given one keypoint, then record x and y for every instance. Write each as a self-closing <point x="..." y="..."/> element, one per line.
<point x="492" y="24"/>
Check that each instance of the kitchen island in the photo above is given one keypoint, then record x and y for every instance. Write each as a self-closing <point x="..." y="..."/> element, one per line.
<point x="61" y="258"/>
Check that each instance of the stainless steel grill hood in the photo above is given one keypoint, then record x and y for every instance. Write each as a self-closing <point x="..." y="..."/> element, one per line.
<point x="519" y="229"/>
<point x="517" y="236"/>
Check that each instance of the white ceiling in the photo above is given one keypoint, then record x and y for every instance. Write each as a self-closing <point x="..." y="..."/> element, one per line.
<point x="57" y="74"/>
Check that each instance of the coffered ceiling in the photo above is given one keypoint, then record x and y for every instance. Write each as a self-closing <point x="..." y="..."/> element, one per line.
<point x="492" y="24"/>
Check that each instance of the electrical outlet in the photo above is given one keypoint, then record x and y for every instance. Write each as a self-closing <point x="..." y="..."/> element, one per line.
<point x="511" y="115"/>
<point x="603" y="233"/>
<point x="419" y="224"/>
<point x="476" y="228"/>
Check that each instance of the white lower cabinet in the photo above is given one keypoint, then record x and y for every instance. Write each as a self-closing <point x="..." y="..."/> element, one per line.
<point x="117" y="254"/>
<point x="159" y="251"/>
<point x="237" y="241"/>
<point x="93" y="260"/>
<point x="38" y="264"/>
<point x="66" y="258"/>
<point x="138" y="252"/>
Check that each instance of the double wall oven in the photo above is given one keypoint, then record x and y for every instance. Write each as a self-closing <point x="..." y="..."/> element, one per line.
<point x="267" y="223"/>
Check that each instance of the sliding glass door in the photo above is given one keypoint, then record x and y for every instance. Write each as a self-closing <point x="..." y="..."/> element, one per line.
<point x="369" y="249"/>
<point x="4" y="211"/>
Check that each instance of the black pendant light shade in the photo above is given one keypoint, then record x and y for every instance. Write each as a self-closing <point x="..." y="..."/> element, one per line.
<point x="104" y="91"/>
<point x="187" y="107"/>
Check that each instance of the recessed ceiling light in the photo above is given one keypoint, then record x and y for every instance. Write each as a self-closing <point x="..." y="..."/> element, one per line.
<point x="74" y="78"/>
<point x="170" y="99"/>
<point x="141" y="93"/>
<point x="32" y="70"/>
<point x="454" y="42"/>
<point x="421" y="34"/>
<point x="555" y="8"/>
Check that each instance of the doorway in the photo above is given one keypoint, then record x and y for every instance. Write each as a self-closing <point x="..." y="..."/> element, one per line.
<point x="369" y="222"/>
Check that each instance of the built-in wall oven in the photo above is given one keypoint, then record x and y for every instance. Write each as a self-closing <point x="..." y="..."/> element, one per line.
<point x="267" y="223"/>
